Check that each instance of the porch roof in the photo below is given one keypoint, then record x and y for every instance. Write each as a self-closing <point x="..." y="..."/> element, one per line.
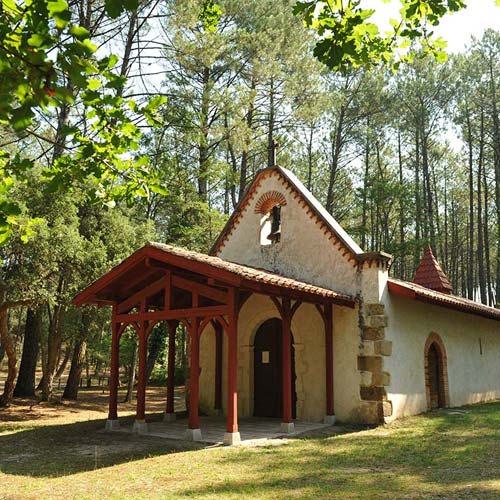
<point x="137" y="272"/>
<point x="418" y="292"/>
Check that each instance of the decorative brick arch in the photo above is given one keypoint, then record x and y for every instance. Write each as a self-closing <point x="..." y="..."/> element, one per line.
<point x="269" y="200"/>
<point x="435" y="339"/>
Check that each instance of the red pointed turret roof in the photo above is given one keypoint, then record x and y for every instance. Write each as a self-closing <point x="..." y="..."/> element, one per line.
<point x="430" y="275"/>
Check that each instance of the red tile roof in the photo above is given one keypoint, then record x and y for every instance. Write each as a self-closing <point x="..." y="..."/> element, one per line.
<point x="423" y="294"/>
<point x="430" y="275"/>
<point x="247" y="278"/>
<point x="251" y="273"/>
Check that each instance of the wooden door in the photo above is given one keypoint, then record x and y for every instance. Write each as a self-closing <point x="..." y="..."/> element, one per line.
<point x="268" y="386"/>
<point x="434" y="378"/>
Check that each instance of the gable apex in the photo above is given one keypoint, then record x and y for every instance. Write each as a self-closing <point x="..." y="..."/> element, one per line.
<point x="311" y="205"/>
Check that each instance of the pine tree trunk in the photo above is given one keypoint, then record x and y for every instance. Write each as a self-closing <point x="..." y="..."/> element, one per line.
<point x="75" y="372"/>
<point x="131" y="375"/>
<point x="480" y="241"/>
<point x="10" y="350"/>
<point x="364" y="213"/>
<point x="470" y="263"/>
<point x="25" y="385"/>
<point x="64" y="362"/>
<point x="54" y="341"/>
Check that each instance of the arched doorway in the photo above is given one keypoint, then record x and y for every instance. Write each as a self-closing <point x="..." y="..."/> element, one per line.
<point x="268" y="372"/>
<point x="436" y="376"/>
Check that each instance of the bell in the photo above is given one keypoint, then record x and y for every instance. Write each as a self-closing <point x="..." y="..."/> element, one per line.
<point x="274" y="236"/>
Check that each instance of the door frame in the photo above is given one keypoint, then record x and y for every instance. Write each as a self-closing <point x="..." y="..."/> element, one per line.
<point x="443" y="397"/>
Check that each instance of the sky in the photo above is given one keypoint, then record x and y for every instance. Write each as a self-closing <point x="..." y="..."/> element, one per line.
<point x="456" y="28"/>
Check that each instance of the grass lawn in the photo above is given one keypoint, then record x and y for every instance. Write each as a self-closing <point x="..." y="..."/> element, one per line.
<point x="56" y="452"/>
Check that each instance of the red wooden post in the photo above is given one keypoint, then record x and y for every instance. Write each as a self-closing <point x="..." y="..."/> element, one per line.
<point x="232" y="435"/>
<point x="169" y="411"/>
<point x="140" y="416"/>
<point x="287" y="424"/>
<point x="194" y="376"/>
<point x="112" y="422"/>
<point x="218" y="367"/>
<point x="330" y="414"/>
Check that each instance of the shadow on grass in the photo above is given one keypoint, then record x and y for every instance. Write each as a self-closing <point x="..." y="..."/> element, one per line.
<point x="429" y="454"/>
<point x="436" y="455"/>
<point x="59" y="450"/>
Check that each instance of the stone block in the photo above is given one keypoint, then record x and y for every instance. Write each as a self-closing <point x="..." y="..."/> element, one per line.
<point x="193" y="434"/>
<point x="369" y="333"/>
<point x="370" y="363"/>
<point x="140" y="427"/>
<point x="374" y="309"/>
<point x="365" y="413"/>
<point x="112" y="425"/>
<point x="329" y="419"/>
<point x="232" y="438"/>
<point x="387" y="408"/>
<point x="376" y="321"/>
<point x="381" y="379"/>
<point x="383" y="347"/>
<point x="366" y="378"/>
<point x="373" y="393"/>
<point x="287" y="427"/>
<point x="367" y="348"/>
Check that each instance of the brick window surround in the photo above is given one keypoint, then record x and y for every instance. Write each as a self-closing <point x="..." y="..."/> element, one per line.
<point x="269" y="200"/>
<point x="435" y="339"/>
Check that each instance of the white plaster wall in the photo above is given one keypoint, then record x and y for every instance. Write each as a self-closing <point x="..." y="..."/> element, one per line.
<point x="304" y="251"/>
<point x="346" y="376"/>
<point x="472" y="377"/>
<point x="309" y="344"/>
<point x="207" y="373"/>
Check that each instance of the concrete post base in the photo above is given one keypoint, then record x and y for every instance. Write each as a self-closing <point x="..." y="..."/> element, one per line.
<point x="193" y="434"/>
<point x="112" y="425"/>
<point x="329" y="419"/>
<point x="232" y="438"/>
<point x="140" y="427"/>
<point x="287" y="427"/>
<point x="169" y="417"/>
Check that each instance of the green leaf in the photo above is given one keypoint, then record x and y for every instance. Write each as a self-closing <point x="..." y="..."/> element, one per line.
<point x="79" y="32"/>
<point x="93" y="83"/>
<point x="37" y="40"/>
<point x="113" y="8"/>
<point x="21" y="118"/>
<point x="58" y="10"/>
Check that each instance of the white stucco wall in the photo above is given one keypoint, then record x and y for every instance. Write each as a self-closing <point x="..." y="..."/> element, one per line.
<point x="472" y="377"/>
<point x="304" y="251"/>
<point x="309" y="344"/>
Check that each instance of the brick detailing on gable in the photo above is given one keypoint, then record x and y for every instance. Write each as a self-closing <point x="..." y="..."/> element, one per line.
<point x="372" y="350"/>
<point x="297" y="196"/>
<point x="435" y="339"/>
<point x="269" y="200"/>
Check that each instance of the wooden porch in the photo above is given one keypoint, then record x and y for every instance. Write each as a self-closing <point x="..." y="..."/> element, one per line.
<point x="164" y="283"/>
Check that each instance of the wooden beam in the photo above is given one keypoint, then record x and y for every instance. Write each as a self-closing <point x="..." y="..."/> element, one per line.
<point x="200" y="288"/>
<point x="295" y="306"/>
<point x="136" y="298"/>
<point x="190" y="312"/>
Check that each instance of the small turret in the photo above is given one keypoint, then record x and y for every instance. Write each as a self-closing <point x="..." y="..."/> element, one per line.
<point x="430" y="274"/>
